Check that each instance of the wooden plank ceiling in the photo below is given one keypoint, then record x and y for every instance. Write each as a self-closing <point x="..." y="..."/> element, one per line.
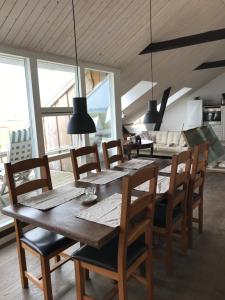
<point x="113" y="32"/>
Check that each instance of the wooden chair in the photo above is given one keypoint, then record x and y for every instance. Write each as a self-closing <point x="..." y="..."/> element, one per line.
<point x="121" y="256"/>
<point x="89" y="166"/>
<point x="114" y="158"/>
<point x="40" y="242"/>
<point x="196" y="187"/>
<point x="171" y="213"/>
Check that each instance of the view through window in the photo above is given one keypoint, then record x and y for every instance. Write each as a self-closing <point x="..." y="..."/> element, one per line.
<point x="14" y="118"/>
<point x="99" y="91"/>
<point x="57" y="88"/>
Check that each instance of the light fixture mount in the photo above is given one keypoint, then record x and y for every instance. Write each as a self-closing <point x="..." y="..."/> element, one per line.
<point x="152" y="115"/>
<point x="80" y="122"/>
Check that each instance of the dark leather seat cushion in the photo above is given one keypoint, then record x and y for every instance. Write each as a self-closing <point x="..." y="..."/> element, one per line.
<point x="106" y="257"/>
<point x="161" y="212"/>
<point x="45" y="242"/>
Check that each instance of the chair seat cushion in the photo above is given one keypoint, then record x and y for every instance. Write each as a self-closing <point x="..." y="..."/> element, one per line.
<point x="45" y="242"/>
<point x="106" y="257"/>
<point x="161" y="213"/>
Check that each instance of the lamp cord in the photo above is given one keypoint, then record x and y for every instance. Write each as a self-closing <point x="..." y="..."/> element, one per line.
<point x="75" y="47"/>
<point x="151" y="54"/>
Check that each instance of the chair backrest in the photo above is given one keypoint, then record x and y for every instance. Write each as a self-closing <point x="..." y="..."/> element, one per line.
<point x="20" y="146"/>
<point x="199" y="164"/>
<point x="131" y="226"/>
<point x="89" y="166"/>
<point x="114" y="158"/>
<point x="179" y="181"/>
<point x="43" y="183"/>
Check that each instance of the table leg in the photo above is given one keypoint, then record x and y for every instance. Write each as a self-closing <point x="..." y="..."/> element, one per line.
<point x="129" y="154"/>
<point x="151" y="150"/>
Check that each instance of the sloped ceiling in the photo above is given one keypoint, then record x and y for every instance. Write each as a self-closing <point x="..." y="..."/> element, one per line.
<point x="113" y="32"/>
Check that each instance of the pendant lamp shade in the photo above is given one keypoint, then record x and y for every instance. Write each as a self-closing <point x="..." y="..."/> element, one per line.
<point x="81" y="122"/>
<point x="152" y="115"/>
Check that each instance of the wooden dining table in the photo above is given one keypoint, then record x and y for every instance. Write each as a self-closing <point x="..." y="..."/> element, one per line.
<point x="62" y="219"/>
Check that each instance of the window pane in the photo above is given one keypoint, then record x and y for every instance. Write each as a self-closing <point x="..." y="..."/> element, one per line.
<point x="56" y="83"/>
<point x="57" y="88"/>
<point x="98" y="87"/>
<point x="15" y="136"/>
<point x="55" y="134"/>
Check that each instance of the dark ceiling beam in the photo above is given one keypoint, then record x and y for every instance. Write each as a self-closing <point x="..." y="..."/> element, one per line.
<point x="211" y="64"/>
<point x="205" y="37"/>
<point x="162" y="109"/>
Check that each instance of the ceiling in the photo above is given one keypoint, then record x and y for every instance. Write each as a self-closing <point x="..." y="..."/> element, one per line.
<point x="113" y="32"/>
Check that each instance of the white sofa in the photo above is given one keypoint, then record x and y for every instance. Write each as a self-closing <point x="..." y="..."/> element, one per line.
<point x="166" y="143"/>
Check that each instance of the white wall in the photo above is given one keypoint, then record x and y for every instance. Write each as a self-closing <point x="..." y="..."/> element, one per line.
<point x="177" y="115"/>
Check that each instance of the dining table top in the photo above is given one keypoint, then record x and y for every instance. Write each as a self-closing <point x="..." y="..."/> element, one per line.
<point x="62" y="219"/>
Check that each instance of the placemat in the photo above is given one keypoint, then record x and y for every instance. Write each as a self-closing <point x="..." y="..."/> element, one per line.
<point x="136" y="164"/>
<point x="162" y="185"/>
<point x="106" y="212"/>
<point x="104" y="176"/>
<point x="53" y="198"/>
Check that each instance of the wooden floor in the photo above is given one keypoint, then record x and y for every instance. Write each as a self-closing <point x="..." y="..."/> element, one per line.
<point x="200" y="275"/>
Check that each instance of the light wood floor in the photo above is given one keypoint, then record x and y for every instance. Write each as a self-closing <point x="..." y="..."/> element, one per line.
<point x="200" y="275"/>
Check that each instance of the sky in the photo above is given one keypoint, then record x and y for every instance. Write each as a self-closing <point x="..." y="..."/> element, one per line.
<point x="13" y="93"/>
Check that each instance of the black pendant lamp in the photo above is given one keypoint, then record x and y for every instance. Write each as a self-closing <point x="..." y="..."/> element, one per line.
<point x="81" y="122"/>
<point x="152" y="115"/>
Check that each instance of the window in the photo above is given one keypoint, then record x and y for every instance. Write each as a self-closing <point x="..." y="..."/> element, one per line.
<point x="14" y="118"/>
<point x="136" y="92"/>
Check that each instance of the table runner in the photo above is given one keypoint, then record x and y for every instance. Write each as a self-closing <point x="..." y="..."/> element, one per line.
<point x="136" y="164"/>
<point x="104" y="176"/>
<point x="106" y="212"/>
<point x="53" y="198"/>
<point x="162" y="185"/>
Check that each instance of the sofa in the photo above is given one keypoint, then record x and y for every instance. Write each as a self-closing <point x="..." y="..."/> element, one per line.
<point x="166" y="143"/>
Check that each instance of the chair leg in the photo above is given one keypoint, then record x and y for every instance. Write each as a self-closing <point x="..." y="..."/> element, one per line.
<point x="200" y="217"/>
<point x="46" y="278"/>
<point x="184" y="236"/>
<point x="169" y="253"/>
<point x="190" y="230"/>
<point x="86" y="272"/>
<point x="80" y="281"/>
<point x="23" y="266"/>
<point x="122" y="289"/>
<point x="149" y="276"/>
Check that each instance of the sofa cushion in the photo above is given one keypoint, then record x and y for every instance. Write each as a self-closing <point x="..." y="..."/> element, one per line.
<point x="161" y="137"/>
<point x="148" y="135"/>
<point x="165" y="148"/>
<point x="173" y="138"/>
